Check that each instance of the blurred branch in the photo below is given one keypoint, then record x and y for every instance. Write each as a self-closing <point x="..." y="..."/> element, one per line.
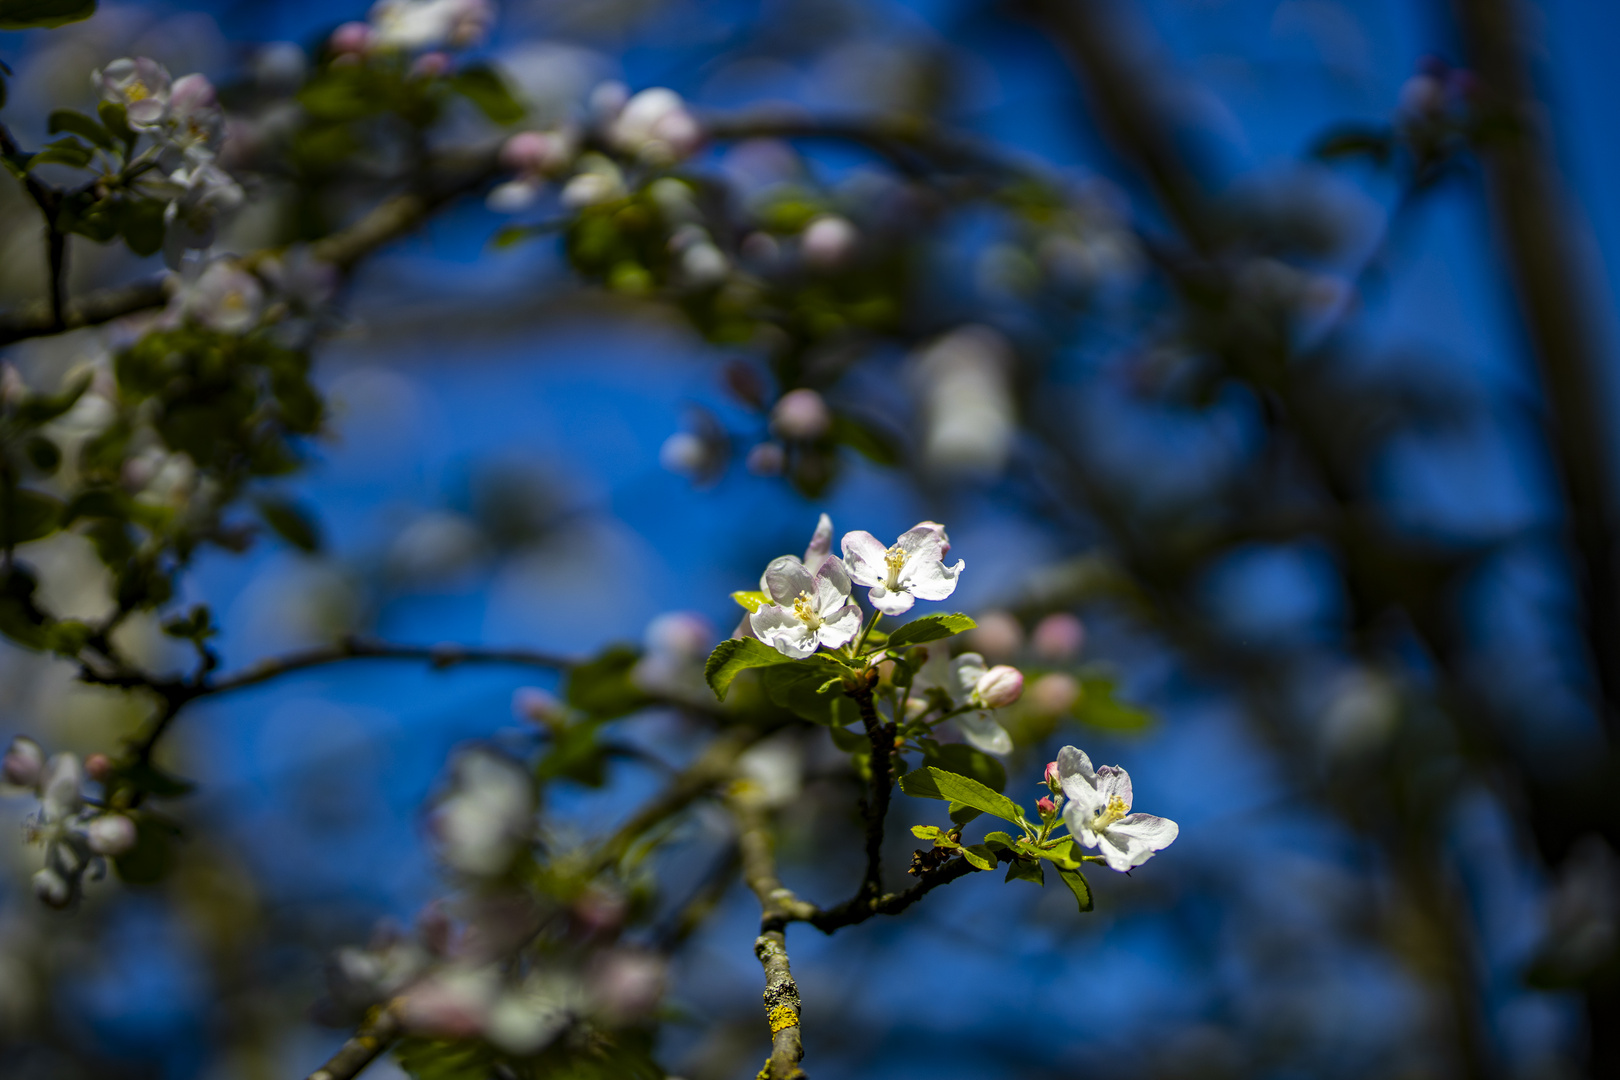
<point x="439" y="657"/>
<point x="49" y="200"/>
<point x="366" y="1046"/>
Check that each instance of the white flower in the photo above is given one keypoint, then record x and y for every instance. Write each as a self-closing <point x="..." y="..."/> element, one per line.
<point x="829" y="241"/>
<point x="22" y="765"/>
<point x="110" y="834"/>
<point x="202" y="196"/>
<point x="140" y="85"/>
<point x="810" y="610"/>
<point x="656" y="127"/>
<point x="430" y="24"/>
<point x="913" y="569"/>
<point x="223" y="297"/>
<point x="961" y="680"/>
<point x="968" y="415"/>
<point x="598" y="181"/>
<point x="1099" y="812"/>
<point x="801" y="414"/>
<point x="196" y="123"/>
<point x="487" y="816"/>
<point x="527" y="1018"/>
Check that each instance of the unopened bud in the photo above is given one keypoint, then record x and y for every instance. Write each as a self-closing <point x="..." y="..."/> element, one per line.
<point x="998" y="635"/>
<point x="111" y="834"/>
<point x="1046" y="806"/>
<point x="351" y="37"/>
<point x="1000" y="686"/>
<point x="801" y="414"/>
<point x="98" y="767"/>
<point x="1059" y="637"/>
<point x="23" y="762"/>
<point x="829" y="241"/>
<point x="1052" y="780"/>
<point x="52" y="888"/>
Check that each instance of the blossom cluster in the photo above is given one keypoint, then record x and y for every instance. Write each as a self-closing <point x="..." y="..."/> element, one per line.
<point x="78" y="837"/>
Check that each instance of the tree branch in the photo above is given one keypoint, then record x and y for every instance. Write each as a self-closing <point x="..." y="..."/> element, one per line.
<point x="875" y="808"/>
<point x="367" y="1045"/>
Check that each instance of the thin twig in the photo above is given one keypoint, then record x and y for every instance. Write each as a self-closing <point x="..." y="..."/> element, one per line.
<point x="366" y="1046"/>
<point x="875" y="808"/>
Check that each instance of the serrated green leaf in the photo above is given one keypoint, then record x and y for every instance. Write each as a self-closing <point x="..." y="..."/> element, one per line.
<point x="1026" y="870"/>
<point x="1077" y="883"/>
<point x="65" y="151"/>
<point x="1000" y="839"/>
<point x="734" y="656"/>
<point x="43" y="14"/>
<point x="752" y="601"/>
<point x="116" y="120"/>
<point x="927" y="832"/>
<point x="929" y="628"/>
<point x="76" y="123"/>
<point x="929" y="782"/>
<point x="1064" y="855"/>
<point x="979" y="855"/>
<point x="804" y="689"/>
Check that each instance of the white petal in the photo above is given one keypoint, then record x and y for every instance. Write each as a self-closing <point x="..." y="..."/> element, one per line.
<point x="982" y="732"/>
<point x="925" y="540"/>
<point x="840" y="627"/>
<point x="1122" y="852"/>
<point x="863" y="555"/>
<point x="890" y="603"/>
<point x="820" y="544"/>
<point x="1114" y="781"/>
<point x="832" y="586"/>
<point x="930" y="579"/>
<point x="779" y="628"/>
<point x="935" y="671"/>
<point x="1156" y="833"/>
<point x="965" y="672"/>
<point x="1079" y="783"/>
<point x="786" y="578"/>
<point x="1078" y="823"/>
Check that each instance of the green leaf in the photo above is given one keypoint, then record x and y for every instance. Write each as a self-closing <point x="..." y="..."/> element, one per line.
<point x="27" y="515"/>
<point x="1101" y="709"/>
<point x="1026" y="870"/>
<point x="158" y="783"/>
<point x="152" y="857"/>
<point x="67" y="637"/>
<point x="735" y="656"/>
<point x="487" y="90"/>
<point x="603" y="687"/>
<point x="927" y="832"/>
<point x="797" y="687"/>
<point x="851" y="740"/>
<point x="434" y="1059"/>
<point x="931" y="783"/>
<point x="1076" y="881"/>
<point x="1001" y="839"/>
<point x="964" y="760"/>
<point x="141" y="222"/>
<point x="753" y="601"/>
<point x="867" y="439"/>
<point x="575" y="754"/>
<point x="37" y="409"/>
<point x="116" y="120"/>
<point x="1064" y="855"/>
<point x="76" y="123"/>
<point x="67" y="151"/>
<point x="43" y="14"/>
<point x="929" y="628"/>
<point x="1348" y="142"/>
<point x="290" y="521"/>
<point x="980" y="856"/>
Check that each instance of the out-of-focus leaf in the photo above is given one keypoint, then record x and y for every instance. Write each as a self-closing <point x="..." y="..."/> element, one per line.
<point x="1349" y="142"/>
<point x="152" y="857"/>
<point x="486" y="89"/>
<point x="867" y="439"/>
<point x="27" y="515"/>
<point x="752" y="601"/>
<point x="290" y="521"/>
<point x="603" y="687"/>
<point x="1099" y="707"/>
<point x="37" y="409"/>
<point x="76" y="123"/>
<point x="141" y="223"/>
<point x="929" y="628"/>
<point x="66" y="151"/>
<point x="43" y="14"/>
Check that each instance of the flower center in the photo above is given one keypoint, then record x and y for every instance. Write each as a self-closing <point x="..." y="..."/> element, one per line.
<point x="137" y="91"/>
<point x="805" y="610"/>
<point x="1109" y="814"/>
<point x="895" y="558"/>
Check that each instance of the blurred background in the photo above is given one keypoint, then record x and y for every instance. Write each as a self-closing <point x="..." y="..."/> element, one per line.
<point x="1294" y="394"/>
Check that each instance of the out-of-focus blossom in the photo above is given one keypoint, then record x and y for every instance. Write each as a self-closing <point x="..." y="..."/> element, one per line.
<point x="677" y="643"/>
<point x="772" y="771"/>
<point x="801" y="414"/>
<point x="656" y="127"/>
<point x="486" y="818"/>
<point x="527" y="1018"/>
<point x="223" y="297"/>
<point x="1362" y="712"/>
<point x="23" y="763"/>
<point x="810" y="610"/>
<point x="1054" y="693"/>
<point x="279" y="66"/>
<point x="1058" y="638"/>
<point x="627" y="984"/>
<point x="140" y="85"/>
<point x="912" y="569"/>
<point x="1099" y="812"/>
<point x="766" y="459"/>
<point x="959" y="680"/>
<point x="351" y="38"/>
<point x="598" y="181"/>
<point x="998" y="635"/>
<point x="430" y="24"/>
<point x="965" y="383"/>
<point x="299" y="280"/>
<point x="204" y="194"/>
<point x="196" y="123"/>
<point x="684" y="453"/>
<point x="99" y="767"/>
<point x="532" y="156"/>
<point x="829" y="242"/>
<point x="110" y="834"/>
<point x="453" y="1002"/>
<point x="536" y="705"/>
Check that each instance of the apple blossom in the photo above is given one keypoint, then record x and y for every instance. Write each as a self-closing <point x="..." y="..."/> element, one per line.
<point x="204" y="194"/>
<point x="910" y="570"/>
<point x="23" y="763"/>
<point x="811" y="610"/>
<point x="486" y="817"/>
<point x="960" y="680"/>
<point x="1099" y="812"/>
<point x="999" y="687"/>
<point x="1054" y="693"/>
<point x="196" y="123"/>
<point x="656" y="127"/>
<point x="1046" y="807"/>
<point x="1058" y="637"/>
<point x="140" y="85"/>
<point x="829" y="241"/>
<point x="351" y="37"/>
<point x="1053" y="777"/>
<point x="765" y="459"/>
<point x="800" y="414"/>
<point x="430" y="24"/>
<point x="998" y="635"/>
<point x="222" y="297"/>
<point x="964" y="381"/>
<point x="110" y="834"/>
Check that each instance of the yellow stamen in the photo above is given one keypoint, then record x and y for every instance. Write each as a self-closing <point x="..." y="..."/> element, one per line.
<point x="806" y="612"/>
<point x="1109" y="814"/>
<point x="895" y="557"/>
<point x="137" y="91"/>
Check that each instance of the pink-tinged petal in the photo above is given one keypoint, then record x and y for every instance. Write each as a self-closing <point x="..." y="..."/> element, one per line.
<point x="820" y="544"/>
<point x="1156" y="833"/>
<point x="1113" y="781"/>
<point x="890" y="603"/>
<point x="1121" y="852"/>
<point x="863" y="557"/>
<point x="832" y="586"/>
<point x="840" y="627"/>
<point x="965" y="672"/>
<point x="1078" y="780"/>
<point x="924" y="541"/>
<point x="783" y="631"/>
<point x="982" y="732"/>
<point x="786" y="579"/>
<point x="930" y="580"/>
<point x="1079" y="823"/>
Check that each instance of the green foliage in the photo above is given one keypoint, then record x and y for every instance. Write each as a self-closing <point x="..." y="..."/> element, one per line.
<point x="811" y="691"/>
<point x="26" y="515"/>
<point x="1099" y="707"/>
<point x="929" y="628"/>
<point x="930" y="782"/>
<point x="484" y="87"/>
<point x="575" y="754"/>
<point x="965" y="761"/>
<point x="152" y="857"/>
<point x="734" y="656"/>
<point x="867" y="438"/>
<point x="290" y="521"/>
<point x="1077" y="883"/>
<point x="602" y="688"/>
<point x="76" y="123"/>
<point x="43" y="14"/>
<point x="437" y="1059"/>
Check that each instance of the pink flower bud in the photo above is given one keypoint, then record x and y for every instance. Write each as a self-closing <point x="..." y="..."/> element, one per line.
<point x="998" y="635"/>
<point x="430" y="65"/>
<point x="766" y="459"/>
<point x="98" y="767"/>
<point x="1058" y="637"/>
<point x="111" y="834"/>
<point x="801" y="414"/>
<point x="1046" y="806"/>
<point x="829" y="242"/>
<point x="351" y="37"/>
<point x="23" y="762"/>
<point x="1054" y="693"/>
<point x="1052" y="775"/>
<point x="1000" y="686"/>
<point x="527" y="151"/>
